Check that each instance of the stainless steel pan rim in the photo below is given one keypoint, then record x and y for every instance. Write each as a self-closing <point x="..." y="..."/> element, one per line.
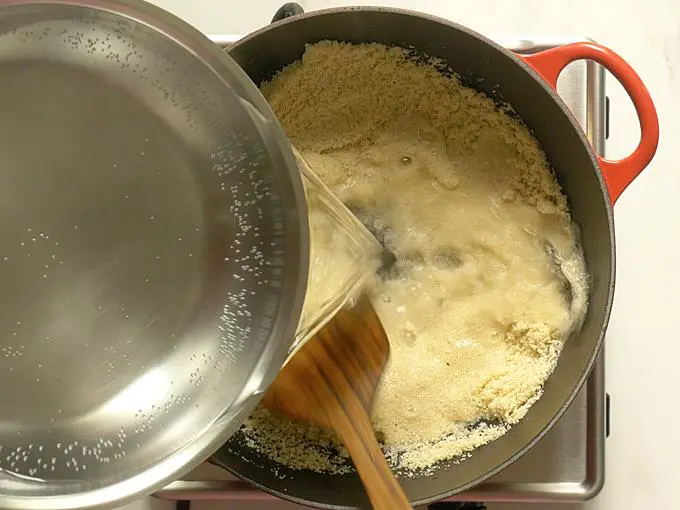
<point x="87" y="494"/>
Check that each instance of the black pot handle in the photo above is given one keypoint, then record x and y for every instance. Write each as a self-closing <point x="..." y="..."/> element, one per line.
<point x="287" y="10"/>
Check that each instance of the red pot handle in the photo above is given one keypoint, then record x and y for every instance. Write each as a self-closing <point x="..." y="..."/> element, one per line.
<point x="618" y="174"/>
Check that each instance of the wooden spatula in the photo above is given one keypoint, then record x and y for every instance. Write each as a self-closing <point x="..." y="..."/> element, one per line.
<point x="330" y="382"/>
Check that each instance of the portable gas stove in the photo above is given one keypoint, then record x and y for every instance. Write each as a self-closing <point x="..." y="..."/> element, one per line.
<point x="567" y="465"/>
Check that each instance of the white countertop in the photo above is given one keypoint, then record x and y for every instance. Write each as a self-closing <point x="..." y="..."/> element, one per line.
<point x="643" y="348"/>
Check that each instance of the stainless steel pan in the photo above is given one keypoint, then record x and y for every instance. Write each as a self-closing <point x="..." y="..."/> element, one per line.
<point x="154" y="252"/>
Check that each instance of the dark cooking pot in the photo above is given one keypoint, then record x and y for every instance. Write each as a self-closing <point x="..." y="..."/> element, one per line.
<point x="591" y="183"/>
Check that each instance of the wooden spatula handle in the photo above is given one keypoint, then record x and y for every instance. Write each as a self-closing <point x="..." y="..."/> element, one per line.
<point x="382" y="487"/>
<point x="330" y="383"/>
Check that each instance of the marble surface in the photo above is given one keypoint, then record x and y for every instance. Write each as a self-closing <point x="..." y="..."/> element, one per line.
<point x="643" y="347"/>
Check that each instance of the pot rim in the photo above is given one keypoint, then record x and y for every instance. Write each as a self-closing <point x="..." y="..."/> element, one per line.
<point x="603" y="190"/>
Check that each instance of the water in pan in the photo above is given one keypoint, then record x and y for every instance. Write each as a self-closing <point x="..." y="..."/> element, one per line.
<point x="142" y="243"/>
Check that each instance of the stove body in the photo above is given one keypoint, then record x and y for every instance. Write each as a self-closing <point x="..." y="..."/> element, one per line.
<point x="567" y="465"/>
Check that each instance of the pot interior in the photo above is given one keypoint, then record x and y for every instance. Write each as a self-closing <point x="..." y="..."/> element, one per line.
<point x="495" y="71"/>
